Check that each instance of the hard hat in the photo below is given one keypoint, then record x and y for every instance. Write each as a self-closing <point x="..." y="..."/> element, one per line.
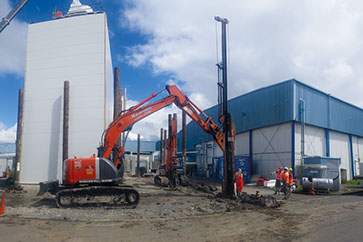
<point x="285" y="168"/>
<point x="280" y="168"/>
<point x="290" y="169"/>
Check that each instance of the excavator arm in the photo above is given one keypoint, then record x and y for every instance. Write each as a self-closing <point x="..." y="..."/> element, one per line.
<point x="192" y="110"/>
<point x="136" y="113"/>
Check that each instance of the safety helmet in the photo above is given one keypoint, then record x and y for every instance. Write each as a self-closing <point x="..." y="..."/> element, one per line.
<point x="290" y="169"/>
<point x="280" y="168"/>
<point x="285" y="168"/>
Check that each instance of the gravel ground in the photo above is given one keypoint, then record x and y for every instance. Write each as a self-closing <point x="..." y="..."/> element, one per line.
<point x="185" y="215"/>
<point x="155" y="202"/>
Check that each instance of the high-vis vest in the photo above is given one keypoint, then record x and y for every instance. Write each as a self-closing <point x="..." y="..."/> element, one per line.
<point x="239" y="182"/>
<point x="279" y="175"/>
<point x="291" y="178"/>
<point x="285" y="177"/>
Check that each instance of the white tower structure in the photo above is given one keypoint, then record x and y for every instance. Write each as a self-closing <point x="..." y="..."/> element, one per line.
<point x="74" y="48"/>
<point x="78" y="8"/>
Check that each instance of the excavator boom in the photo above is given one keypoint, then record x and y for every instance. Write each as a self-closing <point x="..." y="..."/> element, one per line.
<point x="134" y="114"/>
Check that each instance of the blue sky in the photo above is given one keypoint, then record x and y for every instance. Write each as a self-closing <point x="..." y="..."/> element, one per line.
<point x="121" y="39"/>
<point x="155" y="42"/>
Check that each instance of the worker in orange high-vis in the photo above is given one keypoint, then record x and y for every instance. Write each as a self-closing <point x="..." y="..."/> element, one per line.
<point x="285" y="182"/>
<point x="278" y="180"/>
<point x="238" y="181"/>
<point x="291" y="181"/>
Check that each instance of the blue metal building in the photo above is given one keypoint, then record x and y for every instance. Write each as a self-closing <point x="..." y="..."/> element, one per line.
<point x="269" y="127"/>
<point x="145" y="146"/>
<point x="6" y="148"/>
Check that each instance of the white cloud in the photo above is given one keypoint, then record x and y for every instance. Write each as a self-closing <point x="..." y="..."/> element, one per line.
<point x="316" y="42"/>
<point x="149" y="128"/>
<point x="2" y="126"/>
<point x="12" y="43"/>
<point x="7" y="135"/>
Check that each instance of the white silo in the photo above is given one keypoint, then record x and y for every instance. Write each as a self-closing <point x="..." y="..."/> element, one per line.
<point x="74" y="48"/>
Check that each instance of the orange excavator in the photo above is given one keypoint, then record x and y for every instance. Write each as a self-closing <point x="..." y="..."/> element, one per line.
<point x="97" y="181"/>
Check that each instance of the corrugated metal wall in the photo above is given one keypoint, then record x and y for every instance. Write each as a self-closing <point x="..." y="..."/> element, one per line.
<point x="242" y="144"/>
<point x="340" y="148"/>
<point x="266" y="106"/>
<point x="357" y="153"/>
<point x="345" y="117"/>
<point x="271" y="149"/>
<point x="213" y="150"/>
<point x="316" y="105"/>
<point x="326" y="111"/>
<point x="280" y="105"/>
<point x="315" y="144"/>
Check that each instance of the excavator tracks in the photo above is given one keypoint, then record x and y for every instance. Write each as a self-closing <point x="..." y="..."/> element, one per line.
<point x="98" y="196"/>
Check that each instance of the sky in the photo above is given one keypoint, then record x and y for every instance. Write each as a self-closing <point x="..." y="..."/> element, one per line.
<point x="177" y="42"/>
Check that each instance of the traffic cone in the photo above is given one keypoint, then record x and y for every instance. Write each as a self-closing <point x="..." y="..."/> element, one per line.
<point x="2" y="206"/>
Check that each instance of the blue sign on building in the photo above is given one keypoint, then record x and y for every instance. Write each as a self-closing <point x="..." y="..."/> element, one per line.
<point x="240" y="162"/>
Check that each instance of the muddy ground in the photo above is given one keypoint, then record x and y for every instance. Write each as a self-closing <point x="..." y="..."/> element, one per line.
<point x="184" y="215"/>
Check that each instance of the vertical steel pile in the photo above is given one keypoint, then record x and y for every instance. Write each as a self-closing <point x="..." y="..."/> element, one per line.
<point x="117" y="102"/>
<point x="184" y="142"/>
<point x="175" y="118"/>
<point x="167" y="146"/>
<point x="19" y="134"/>
<point x="65" y="121"/>
<point x="138" y="156"/>
<point x="124" y="108"/>
<point x="161" y="146"/>
<point x="164" y="147"/>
